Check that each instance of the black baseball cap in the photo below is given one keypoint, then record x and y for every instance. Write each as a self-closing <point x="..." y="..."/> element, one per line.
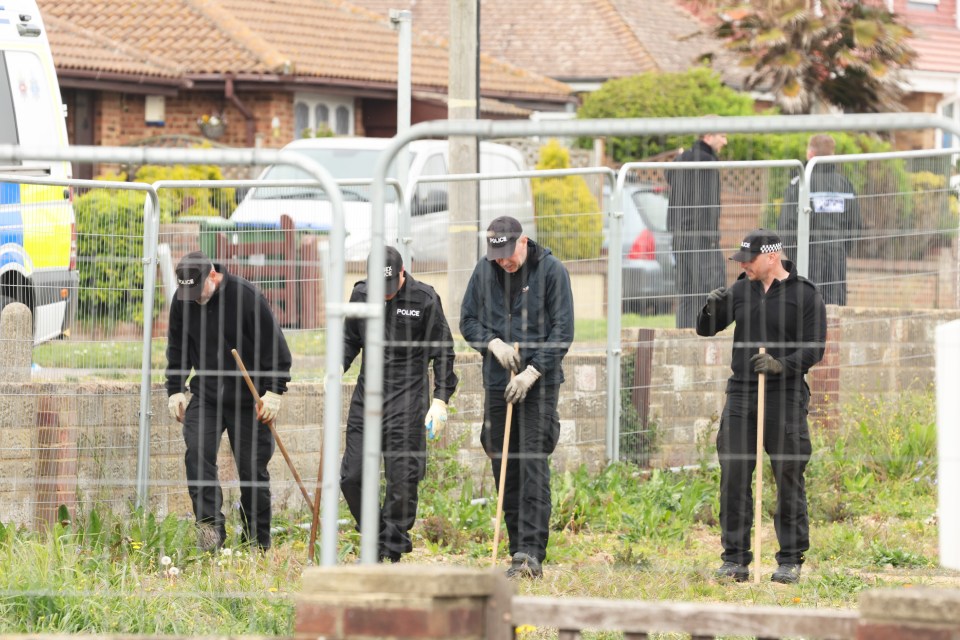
<point x="392" y="266"/>
<point x="502" y="236"/>
<point x="192" y="272"/>
<point x="757" y="242"/>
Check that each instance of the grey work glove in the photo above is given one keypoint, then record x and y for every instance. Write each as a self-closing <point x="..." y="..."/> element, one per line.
<point x="177" y="405"/>
<point x="715" y="297"/>
<point x="766" y="363"/>
<point x="506" y="355"/>
<point x="269" y="407"/>
<point x="520" y="385"/>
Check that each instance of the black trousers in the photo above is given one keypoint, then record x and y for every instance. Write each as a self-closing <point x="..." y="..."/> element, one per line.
<point x="700" y="270"/>
<point x="786" y="440"/>
<point x="404" y="447"/>
<point x="534" y="431"/>
<point x="252" y="444"/>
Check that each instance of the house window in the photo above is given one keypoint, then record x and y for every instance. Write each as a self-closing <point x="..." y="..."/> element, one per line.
<point x="343" y="121"/>
<point x="335" y="113"/>
<point x="923" y="5"/>
<point x="301" y="118"/>
<point x="321" y="114"/>
<point x="949" y="110"/>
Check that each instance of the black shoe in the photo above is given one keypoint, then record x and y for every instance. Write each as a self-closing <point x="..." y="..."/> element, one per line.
<point x="731" y="570"/>
<point x="786" y="573"/>
<point x="524" y="566"/>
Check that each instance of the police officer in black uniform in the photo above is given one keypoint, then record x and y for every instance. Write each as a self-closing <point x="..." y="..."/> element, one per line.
<point x="693" y="219"/>
<point x="835" y="222"/>
<point x="520" y="293"/>
<point x="773" y="308"/>
<point x="416" y="334"/>
<point x="213" y="313"/>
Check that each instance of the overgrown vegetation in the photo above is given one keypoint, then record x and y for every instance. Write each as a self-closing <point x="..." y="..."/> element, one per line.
<point x="110" y="231"/>
<point x="620" y="533"/>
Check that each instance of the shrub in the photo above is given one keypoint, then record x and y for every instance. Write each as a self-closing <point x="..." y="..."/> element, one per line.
<point x="696" y="92"/>
<point x="110" y="246"/>
<point x="178" y="202"/>
<point x="569" y="221"/>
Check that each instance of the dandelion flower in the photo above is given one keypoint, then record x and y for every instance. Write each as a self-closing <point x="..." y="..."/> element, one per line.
<point x="173" y="572"/>
<point x="165" y="561"/>
<point x="226" y="551"/>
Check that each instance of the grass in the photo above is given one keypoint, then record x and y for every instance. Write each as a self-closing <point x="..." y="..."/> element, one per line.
<point x="625" y="532"/>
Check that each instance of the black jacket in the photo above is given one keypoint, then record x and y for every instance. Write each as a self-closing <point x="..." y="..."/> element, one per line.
<point x="790" y="320"/>
<point x="539" y="315"/>
<point x="200" y="337"/>
<point x="416" y="332"/>
<point x="693" y="211"/>
<point x="835" y="224"/>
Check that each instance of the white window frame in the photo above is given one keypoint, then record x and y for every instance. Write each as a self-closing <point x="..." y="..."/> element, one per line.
<point x="953" y="100"/>
<point x="313" y="100"/>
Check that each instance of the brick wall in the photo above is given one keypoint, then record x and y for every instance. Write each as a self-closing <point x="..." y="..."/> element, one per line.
<point x="60" y="443"/>
<point x="871" y="354"/>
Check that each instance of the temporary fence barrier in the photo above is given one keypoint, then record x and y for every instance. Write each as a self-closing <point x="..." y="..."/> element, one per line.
<point x="373" y="312"/>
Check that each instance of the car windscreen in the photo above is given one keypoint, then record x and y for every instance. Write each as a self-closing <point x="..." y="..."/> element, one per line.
<point x="653" y="208"/>
<point x="343" y="164"/>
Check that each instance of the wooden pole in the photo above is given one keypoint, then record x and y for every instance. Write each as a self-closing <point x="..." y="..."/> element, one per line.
<point x="273" y="429"/>
<point x="758" y="492"/>
<point x="503" y="470"/>
<point x="315" y="524"/>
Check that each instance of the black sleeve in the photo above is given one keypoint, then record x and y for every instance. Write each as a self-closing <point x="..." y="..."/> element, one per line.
<point x="353" y="331"/>
<point x="787" y="222"/>
<point x="710" y="322"/>
<point x="813" y="342"/>
<point x="275" y="359"/>
<point x="177" y="366"/>
<point x="440" y="351"/>
<point x="559" y="301"/>
<point x="471" y="327"/>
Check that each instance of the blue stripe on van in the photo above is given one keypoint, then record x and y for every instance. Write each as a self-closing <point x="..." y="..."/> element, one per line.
<point x="11" y="232"/>
<point x="9" y="193"/>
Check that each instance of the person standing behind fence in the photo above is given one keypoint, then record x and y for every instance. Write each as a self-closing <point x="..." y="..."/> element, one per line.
<point x="212" y="313"/>
<point x="416" y="335"/>
<point x="520" y="293"/>
<point x="693" y="219"/>
<point x="835" y="222"/>
<point x="774" y="308"/>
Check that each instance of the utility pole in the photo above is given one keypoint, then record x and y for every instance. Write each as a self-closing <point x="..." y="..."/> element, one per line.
<point x="401" y="20"/>
<point x="463" y="101"/>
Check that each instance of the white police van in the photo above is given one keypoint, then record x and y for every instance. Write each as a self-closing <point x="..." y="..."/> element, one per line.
<point x="38" y="239"/>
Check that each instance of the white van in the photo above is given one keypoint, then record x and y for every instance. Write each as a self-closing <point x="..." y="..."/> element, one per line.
<point x="355" y="158"/>
<point x="38" y="236"/>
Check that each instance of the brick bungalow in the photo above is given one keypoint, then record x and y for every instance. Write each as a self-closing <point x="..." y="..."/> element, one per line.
<point x="136" y="69"/>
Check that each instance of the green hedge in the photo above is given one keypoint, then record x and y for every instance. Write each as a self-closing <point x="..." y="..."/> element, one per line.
<point x="569" y="220"/>
<point x="110" y="248"/>
<point x="110" y="237"/>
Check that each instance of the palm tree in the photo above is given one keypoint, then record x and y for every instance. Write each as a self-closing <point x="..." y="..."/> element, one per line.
<point x="817" y="54"/>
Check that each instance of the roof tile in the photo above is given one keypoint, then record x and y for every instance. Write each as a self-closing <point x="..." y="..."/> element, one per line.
<point x="329" y="39"/>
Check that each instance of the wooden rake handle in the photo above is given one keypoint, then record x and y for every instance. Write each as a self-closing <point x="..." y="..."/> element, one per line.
<point x="503" y="469"/>
<point x="273" y="429"/>
<point x="758" y="491"/>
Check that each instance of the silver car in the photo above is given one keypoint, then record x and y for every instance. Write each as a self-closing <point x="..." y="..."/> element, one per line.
<point x="648" y="264"/>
